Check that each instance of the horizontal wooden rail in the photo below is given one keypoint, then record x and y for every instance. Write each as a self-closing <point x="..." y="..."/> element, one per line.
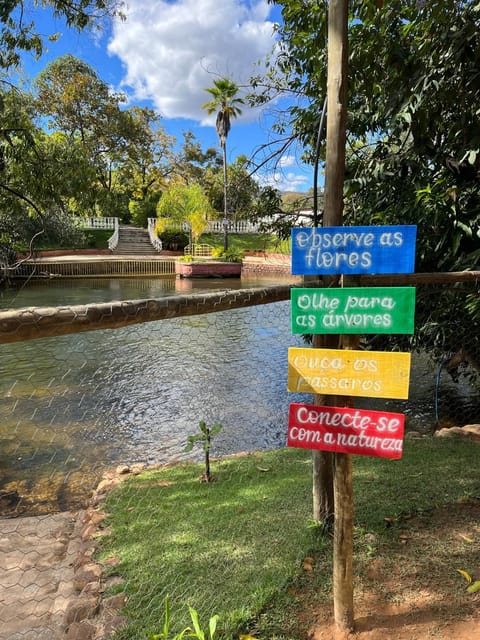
<point x="17" y="325"/>
<point x="405" y="279"/>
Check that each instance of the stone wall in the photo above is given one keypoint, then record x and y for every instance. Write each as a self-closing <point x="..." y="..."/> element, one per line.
<point x="262" y="263"/>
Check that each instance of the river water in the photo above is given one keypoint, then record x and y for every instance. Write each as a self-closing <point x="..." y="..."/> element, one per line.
<point x="73" y="406"/>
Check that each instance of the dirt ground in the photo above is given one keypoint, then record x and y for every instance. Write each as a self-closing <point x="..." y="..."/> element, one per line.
<point x="415" y="592"/>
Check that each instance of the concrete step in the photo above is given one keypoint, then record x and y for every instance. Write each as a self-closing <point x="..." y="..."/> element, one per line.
<point x="134" y="241"/>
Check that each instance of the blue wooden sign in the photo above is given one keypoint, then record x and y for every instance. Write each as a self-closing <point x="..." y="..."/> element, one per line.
<point x="353" y="250"/>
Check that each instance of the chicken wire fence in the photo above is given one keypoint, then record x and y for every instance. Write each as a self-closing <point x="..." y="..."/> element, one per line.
<point x="76" y="406"/>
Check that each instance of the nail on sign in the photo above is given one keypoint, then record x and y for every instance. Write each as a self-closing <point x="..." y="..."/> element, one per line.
<point x="372" y="374"/>
<point x="353" y="250"/>
<point x="353" y="310"/>
<point x="346" y="430"/>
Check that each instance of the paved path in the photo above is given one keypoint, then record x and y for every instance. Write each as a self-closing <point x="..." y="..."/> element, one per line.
<point x="37" y="554"/>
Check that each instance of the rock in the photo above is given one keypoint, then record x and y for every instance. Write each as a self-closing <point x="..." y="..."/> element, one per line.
<point x="82" y="560"/>
<point x="471" y="431"/>
<point x="122" y="469"/>
<point x="138" y="468"/>
<point x="93" y="588"/>
<point x="80" y="631"/>
<point x="89" y="531"/>
<point x="414" y="435"/>
<point x="95" y="517"/>
<point x="87" y="573"/>
<point x="116" y="602"/>
<point x="107" y="485"/>
<point x="448" y="432"/>
<point x="114" y="623"/>
<point x="81" y="609"/>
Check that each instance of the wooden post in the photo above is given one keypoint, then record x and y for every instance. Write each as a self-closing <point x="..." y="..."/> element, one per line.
<point x="334" y="179"/>
<point x="337" y="61"/>
<point x="343" y="542"/>
<point x="343" y="530"/>
<point x="322" y="461"/>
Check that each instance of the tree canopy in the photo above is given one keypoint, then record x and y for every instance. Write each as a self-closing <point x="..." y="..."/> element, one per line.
<point x="18" y="33"/>
<point x="413" y="122"/>
<point x="413" y="128"/>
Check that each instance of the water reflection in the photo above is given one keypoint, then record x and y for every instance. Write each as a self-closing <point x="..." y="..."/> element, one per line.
<point x="83" y="291"/>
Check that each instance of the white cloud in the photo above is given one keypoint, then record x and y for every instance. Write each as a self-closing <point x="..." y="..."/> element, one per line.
<point x="285" y="181"/>
<point x="173" y="50"/>
<point x="287" y="161"/>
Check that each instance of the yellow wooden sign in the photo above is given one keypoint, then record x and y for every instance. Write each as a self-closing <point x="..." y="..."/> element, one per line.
<point x="371" y="374"/>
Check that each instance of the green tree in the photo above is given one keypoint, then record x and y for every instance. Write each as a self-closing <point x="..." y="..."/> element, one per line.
<point x="413" y="130"/>
<point x="225" y="102"/>
<point x="145" y="164"/>
<point x="18" y="33"/>
<point x="242" y="193"/>
<point x="74" y="100"/>
<point x="191" y="163"/>
<point x="33" y="166"/>
<point x="181" y="204"/>
<point x="126" y="147"/>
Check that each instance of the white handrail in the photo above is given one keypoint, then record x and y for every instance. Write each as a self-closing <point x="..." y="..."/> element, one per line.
<point x="154" y="239"/>
<point x="216" y="226"/>
<point x="113" y="240"/>
<point x="241" y="226"/>
<point x="96" y="223"/>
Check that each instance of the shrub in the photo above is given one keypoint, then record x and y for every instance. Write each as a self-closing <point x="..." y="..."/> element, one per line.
<point x="173" y="240"/>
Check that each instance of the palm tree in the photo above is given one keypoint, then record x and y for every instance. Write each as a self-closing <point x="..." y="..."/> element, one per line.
<point x="224" y="92"/>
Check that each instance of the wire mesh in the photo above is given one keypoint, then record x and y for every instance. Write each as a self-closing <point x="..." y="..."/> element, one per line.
<point x="73" y="407"/>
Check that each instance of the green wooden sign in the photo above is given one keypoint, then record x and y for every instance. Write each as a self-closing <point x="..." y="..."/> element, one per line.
<point x="353" y="310"/>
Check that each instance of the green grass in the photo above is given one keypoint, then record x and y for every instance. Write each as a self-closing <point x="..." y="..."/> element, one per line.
<point x="249" y="242"/>
<point x="92" y="239"/>
<point x="235" y="547"/>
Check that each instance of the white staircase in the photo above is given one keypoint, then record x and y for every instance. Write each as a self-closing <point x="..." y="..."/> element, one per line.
<point x="134" y="241"/>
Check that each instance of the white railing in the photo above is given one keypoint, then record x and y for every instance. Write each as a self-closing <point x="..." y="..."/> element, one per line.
<point x="215" y="226"/>
<point x="96" y="223"/>
<point x="113" y="240"/>
<point x="93" y="222"/>
<point x="241" y="226"/>
<point x="154" y="239"/>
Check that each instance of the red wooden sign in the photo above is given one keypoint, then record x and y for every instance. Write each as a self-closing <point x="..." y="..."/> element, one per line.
<point x="346" y="430"/>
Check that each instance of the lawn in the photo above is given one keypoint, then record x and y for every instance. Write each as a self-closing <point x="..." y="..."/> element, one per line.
<point x="92" y="239"/>
<point x="249" y="242"/>
<point x="244" y="547"/>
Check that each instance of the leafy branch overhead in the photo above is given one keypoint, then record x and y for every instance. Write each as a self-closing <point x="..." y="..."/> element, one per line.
<point x="18" y="34"/>
<point x="413" y="130"/>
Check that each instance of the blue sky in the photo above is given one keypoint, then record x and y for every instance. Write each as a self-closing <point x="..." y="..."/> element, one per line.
<point x="166" y="53"/>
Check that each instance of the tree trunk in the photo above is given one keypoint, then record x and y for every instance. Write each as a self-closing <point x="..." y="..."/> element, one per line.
<point x="322" y="471"/>
<point x="322" y="487"/>
<point x="225" y="191"/>
<point x="336" y="111"/>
